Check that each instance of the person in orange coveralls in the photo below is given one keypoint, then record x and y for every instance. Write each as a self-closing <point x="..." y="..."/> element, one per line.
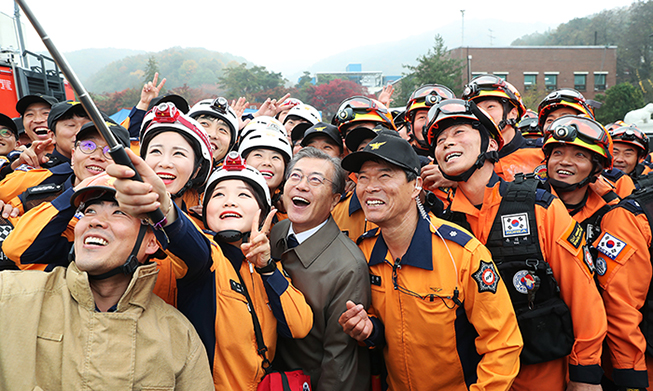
<point x="439" y="309"/>
<point x="531" y="237"/>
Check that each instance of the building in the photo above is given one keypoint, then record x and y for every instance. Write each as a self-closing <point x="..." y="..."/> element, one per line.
<point x="588" y="69"/>
<point x="373" y="80"/>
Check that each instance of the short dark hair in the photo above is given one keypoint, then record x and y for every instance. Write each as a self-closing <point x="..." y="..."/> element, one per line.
<point x="339" y="175"/>
<point x="410" y="174"/>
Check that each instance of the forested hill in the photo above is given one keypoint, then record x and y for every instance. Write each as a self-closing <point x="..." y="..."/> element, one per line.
<point x="191" y="66"/>
<point x="629" y="28"/>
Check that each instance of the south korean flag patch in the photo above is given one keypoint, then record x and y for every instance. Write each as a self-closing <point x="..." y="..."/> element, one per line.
<point x="610" y="246"/>
<point x="486" y="277"/>
<point x="515" y="225"/>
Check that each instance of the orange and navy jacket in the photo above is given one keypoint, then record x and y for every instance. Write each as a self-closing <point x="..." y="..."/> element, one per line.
<point x="623" y="184"/>
<point x="350" y="218"/>
<point x="641" y="169"/>
<point x="55" y="171"/>
<point x="562" y="247"/>
<point x="444" y="327"/>
<point x="520" y="156"/>
<point x="212" y="298"/>
<point x="623" y="268"/>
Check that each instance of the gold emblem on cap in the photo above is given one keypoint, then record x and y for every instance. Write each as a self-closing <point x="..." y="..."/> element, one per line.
<point x="321" y="128"/>
<point x="376" y="146"/>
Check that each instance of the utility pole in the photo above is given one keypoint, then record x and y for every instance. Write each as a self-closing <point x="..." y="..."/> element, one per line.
<point x="462" y="34"/>
<point x="19" y="29"/>
<point x="491" y="36"/>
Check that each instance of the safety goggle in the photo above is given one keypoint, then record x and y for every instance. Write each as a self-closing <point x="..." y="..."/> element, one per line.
<point x="451" y="106"/>
<point x="487" y="82"/>
<point x="568" y="129"/>
<point x="362" y="103"/>
<point x="567" y="95"/>
<point x="628" y="134"/>
<point x="431" y="89"/>
<point x="89" y="146"/>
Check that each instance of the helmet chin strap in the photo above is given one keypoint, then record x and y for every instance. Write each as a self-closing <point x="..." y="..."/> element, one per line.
<point x="422" y="143"/>
<point x="564" y="187"/>
<point x="127" y="268"/>
<point x="507" y="108"/>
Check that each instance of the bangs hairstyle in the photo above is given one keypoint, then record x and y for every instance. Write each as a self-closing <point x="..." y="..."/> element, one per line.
<point x="192" y="142"/>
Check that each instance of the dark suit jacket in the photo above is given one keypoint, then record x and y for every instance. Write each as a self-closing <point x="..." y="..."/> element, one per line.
<point x="329" y="269"/>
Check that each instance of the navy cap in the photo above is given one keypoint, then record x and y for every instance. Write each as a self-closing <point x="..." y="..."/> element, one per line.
<point x="60" y="109"/>
<point x="19" y="125"/>
<point x="9" y="123"/>
<point x="323" y="129"/>
<point x="121" y="134"/>
<point x="297" y="133"/>
<point x="388" y="146"/>
<point x="27" y="100"/>
<point x="179" y="102"/>
<point x="359" y="134"/>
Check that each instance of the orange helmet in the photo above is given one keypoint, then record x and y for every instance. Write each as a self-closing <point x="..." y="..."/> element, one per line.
<point x="490" y="86"/>
<point x="580" y="131"/>
<point x="630" y="134"/>
<point x="564" y="97"/>
<point x="426" y="96"/>
<point x="361" y="109"/>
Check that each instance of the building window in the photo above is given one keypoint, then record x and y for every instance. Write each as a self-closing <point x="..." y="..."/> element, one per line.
<point x="504" y="75"/>
<point x="551" y="82"/>
<point x="599" y="81"/>
<point x="530" y="81"/>
<point x="580" y="81"/>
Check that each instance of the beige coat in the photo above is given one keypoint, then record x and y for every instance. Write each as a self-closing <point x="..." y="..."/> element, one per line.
<point x="52" y="337"/>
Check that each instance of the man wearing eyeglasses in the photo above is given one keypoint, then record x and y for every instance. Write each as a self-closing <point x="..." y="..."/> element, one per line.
<point x="327" y="268"/>
<point x="441" y="314"/>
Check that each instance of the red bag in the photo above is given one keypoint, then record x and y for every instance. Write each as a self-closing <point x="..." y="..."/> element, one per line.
<point x="295" y="380"/>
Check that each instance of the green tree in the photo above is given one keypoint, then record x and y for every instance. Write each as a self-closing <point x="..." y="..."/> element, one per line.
<point x="617" y="101"/>
<point x="434" y="67"/>
<point x="242" y="81"/>
<point x="150" y="69"/>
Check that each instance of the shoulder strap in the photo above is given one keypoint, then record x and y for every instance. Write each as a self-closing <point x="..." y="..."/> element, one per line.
<point x="262" y="349"/>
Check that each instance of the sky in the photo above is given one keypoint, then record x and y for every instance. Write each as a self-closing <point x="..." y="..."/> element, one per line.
<point x="277" y="34"/>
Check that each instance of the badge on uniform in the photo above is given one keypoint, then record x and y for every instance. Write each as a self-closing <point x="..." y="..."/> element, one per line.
<point x="375" y="280"/>
<point x="601" y="266"/>
<point x="610" y="246"/>
<point x="540" y="172"/>
<point x="486" y="277"/>
<point x="237" y="287"/>
<point x="587" y="257"/>
<point x="515" y="225"/>
<point x="523" y="281"/>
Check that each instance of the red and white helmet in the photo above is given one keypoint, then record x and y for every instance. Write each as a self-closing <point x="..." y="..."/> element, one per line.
<point x="261" y="123"/>
<point x="165" y="118"/>
<point x="219" y="108"/>
<point x="266" y="139"/>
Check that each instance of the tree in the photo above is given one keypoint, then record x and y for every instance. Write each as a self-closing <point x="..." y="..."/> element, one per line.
<point x="327" y="97"/>
<point x="150" y="69"/>
<point x="436" y="66"/>
<point x="240" y="81"/>
<point x="617" y="101"/>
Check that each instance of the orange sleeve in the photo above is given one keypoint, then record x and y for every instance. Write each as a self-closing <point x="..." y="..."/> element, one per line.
<point x="624" y="272"/>
<point x="18" y="181"/>
<point x="573" y="268"/>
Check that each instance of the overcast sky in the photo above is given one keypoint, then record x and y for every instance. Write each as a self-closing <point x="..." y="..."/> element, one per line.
<point x="273" y="33"/>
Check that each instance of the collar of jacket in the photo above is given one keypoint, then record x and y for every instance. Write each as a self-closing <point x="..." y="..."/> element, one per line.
<point x="516" y="143"/>
<point x="419" y="253"/>
<point x="354" y="203"/>
<point x="308" y="251"/>
<point x="138" y="293"/>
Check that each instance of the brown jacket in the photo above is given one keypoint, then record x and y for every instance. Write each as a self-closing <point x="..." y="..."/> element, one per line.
<point x="329" y="269"/>
<point x="52" y="336"/>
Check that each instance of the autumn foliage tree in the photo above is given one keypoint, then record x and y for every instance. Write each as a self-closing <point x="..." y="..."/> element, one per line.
<point x="327" y="97"/>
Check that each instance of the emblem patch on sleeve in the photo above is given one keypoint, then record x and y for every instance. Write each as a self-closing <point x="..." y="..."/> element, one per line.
<point x="587" y="258"/>
<point x="601" y="266"/>
<point x="486" y="277"/>
<point x="515" y="225"/>
<point x="576" y="236"/>
<point x="610" y="246"/>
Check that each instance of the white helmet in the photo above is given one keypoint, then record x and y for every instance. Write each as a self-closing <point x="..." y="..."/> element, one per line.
<point x="166" y="117"/>
<point x="307" y="112"/>
<point x="266" y="139"/>
<point x="234" y="167"/>
<point x="218" y="107"/>
<point x="261" y="123"/>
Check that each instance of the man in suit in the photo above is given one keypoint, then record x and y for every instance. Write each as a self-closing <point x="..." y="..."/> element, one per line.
<point x="327" y="267"/>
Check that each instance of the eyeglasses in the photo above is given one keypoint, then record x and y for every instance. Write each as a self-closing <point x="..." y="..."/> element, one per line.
<point x="425" y="297"/>
<point x="6" y="133"/>
<point x="314" y="180"/>
<point x="568" y="128"/>
<point x="88" y="147"/>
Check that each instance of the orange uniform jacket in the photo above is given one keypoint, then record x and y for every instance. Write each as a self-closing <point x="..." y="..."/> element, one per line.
<point x="519" y="156"/>
<point x="623" y="184"/>
<point x="574" y="277"/>
<point x="623" y="267"/>
<point x="432" y="343"/>
<point x="350" y="217"/>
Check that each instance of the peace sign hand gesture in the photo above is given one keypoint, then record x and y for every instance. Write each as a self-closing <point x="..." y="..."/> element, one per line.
<point x="257" y="251"/>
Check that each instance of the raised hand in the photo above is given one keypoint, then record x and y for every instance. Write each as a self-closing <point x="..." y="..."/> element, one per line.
<point x="257" y="250"/>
